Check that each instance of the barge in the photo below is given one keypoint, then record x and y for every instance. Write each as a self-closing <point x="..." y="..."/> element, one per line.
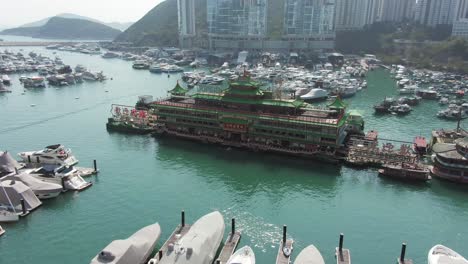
<point x="246" y="116"/>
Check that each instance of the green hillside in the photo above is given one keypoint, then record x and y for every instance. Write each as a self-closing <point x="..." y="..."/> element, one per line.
<point x="159" y="26"/>
<point x="66" y="28"/>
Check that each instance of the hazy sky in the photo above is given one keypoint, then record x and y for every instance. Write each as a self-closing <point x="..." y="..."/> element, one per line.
<point x="18" y="12"/>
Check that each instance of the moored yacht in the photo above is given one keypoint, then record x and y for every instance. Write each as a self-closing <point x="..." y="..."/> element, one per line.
<point x="315" y="95"/>
<point x="199" y="245"/>
<point x="133" y="250"/>
<point x="440" y="254"/>
<point x="53" y="154"/>
<point x="68" y="177"/>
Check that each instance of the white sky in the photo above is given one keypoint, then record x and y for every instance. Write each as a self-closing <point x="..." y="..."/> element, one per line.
<point x="17" y="12"/>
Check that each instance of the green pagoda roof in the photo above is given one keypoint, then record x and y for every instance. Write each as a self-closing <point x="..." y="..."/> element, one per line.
<point x="178" y="90"/>
<point x="337" y="104"/>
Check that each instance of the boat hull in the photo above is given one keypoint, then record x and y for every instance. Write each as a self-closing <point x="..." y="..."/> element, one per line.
<point x="440" y="254"/>
<point x="309" y="255"/>
<point x="245" y="255"/>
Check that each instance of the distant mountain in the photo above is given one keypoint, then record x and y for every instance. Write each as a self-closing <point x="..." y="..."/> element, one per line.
<point x="66" y="28"/>
<point x="42" y="22"/>
<point x="159" y="26"/>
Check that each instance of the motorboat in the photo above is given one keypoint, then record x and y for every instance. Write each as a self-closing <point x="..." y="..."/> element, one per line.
<point x="155" y="68"/>
<point x="8" y="165"/>
<point x="80" y="68"/>
<point x="3" y="89"/>
<point x="135" y="249"/>
<point x="384" y="106"/>
<point x="7" y="215"/>
<point x="93" y="76"/>
<point x="12" y="194"/>
<point x="315" y="95"/>
<point x="2" y="231"/>
<point x="66" y="176"/>
<point x="348" y="91"/>
<point x="53" y="154"/>
<point x="6" y="80"/>
<point x="440" y="254"/>
<point x="309" y="255"/>
<point x="140" y="65"/>
<point x="400" y="109"/>
<point x="199" y="245"/>
<point x="42" y="189"/>
<point x="34" y="82"/>
<point x="110" y="55"/>
<point x="244" y="255"/>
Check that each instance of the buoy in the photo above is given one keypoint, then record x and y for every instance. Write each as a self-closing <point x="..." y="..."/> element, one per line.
<point x="107" y="91"/>
<point x="33" y="105"/>
<point x="77" y="98"/>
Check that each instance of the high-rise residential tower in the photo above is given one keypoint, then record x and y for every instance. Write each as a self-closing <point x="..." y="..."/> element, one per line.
<point x="186" y="18"/>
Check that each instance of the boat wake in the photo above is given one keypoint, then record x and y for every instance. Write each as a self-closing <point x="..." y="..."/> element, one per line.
<point x="259" y="233"/>
<point x="105" y="102"/>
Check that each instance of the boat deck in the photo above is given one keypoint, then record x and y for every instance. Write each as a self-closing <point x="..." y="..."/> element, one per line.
<point x="280" y="257"/>
<point x="343" y="256"/>
<point x="229" y="247"/>
<point x="85" y="172"/>
<point x="406" y="261"/>
<point x="180" y="231"/>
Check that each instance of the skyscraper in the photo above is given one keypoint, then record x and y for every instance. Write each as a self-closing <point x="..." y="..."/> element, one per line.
<point x="186" y="19"/>
<point x="308" y="17"/>
<point x="437" y="12"/>
<point x="236" y="17"/>
<point x="350" y="14"/>
<point x="460" y="10"/>
<point x="397" y="10"/>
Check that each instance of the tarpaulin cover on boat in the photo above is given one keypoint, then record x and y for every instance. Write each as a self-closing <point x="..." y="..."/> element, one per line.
<point x="15" y="191"/>
<point x="36" y="185"/>
<point x="7" y="163"/>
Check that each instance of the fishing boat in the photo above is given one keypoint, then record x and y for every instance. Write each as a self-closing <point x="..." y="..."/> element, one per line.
<point x="6" y="80"/>
<point x="384" y="106"/>
<point x="412" y="172"/>
<point x="440" y="254"/>
<point x="54" y="154"/>
<point x="133" y="250"/>
<point x="427" y="94"/>
<point x="34" y="82"/>
<point x="244" y="255"/>
<point x="400" y="109"/>
<point x="110" y="55"/>
<point x="309" y="255"/>
<point x="420" y="145"/>
<point x="140" y="65"/>
<point x="199" y="245"/>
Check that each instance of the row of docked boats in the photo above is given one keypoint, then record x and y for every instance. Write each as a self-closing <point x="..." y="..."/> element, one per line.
<point x="200" y="244"/>
<point x="42" y="174"/>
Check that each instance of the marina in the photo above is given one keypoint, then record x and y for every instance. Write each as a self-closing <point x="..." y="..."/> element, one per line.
<point x="234" y="176"/>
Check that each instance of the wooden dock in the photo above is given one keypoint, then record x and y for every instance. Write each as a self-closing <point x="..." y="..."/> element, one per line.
<point x="229" y="247"/>
<point x="282" y="258"/>
<point x="401" y="259"/>
<point x="343" y="256"/>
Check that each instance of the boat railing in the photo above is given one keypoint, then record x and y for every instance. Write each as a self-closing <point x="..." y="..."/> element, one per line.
<point x="287" y="118"/>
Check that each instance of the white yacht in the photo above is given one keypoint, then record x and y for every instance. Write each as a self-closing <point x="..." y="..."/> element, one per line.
<point x="53" y="154"/>
<point x="244" y="255"/>
<point x="440" y="254"/>
<point x="68" y="177"/>
<point x="133" y="250"/>
<point x="315" y="95"/>
<point x="199" y="245"/>
<point x="308" y="255"/>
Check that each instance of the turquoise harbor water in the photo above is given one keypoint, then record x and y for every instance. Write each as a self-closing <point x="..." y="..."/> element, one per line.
<point x="145" y="180"/>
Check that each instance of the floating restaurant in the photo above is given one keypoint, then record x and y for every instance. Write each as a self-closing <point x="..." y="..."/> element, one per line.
<point x="246" y="116"/>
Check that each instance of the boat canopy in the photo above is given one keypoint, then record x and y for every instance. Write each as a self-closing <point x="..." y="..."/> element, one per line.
<point x="7" y="163"/>
<point x="14" y="191"/>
